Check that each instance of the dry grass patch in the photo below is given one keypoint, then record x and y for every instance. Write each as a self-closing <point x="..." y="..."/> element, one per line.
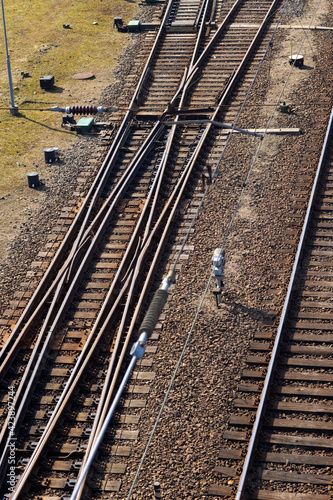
<point x="40" y="45"/>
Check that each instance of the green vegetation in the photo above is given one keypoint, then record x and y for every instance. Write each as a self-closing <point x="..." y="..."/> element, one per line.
<point x="39" y="45"/>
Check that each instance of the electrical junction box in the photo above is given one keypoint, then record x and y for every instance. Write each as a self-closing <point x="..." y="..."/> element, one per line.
<point x="46" y="82"/>
<point x="84" y="124"/>
<point x="133" y="25"/>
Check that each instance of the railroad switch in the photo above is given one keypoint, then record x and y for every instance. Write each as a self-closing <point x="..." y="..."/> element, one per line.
<point x="218" y="270"/>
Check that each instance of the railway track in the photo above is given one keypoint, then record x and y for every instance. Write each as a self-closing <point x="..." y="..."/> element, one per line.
<point x="283" y="413"/>
<point x="65" y="353"/>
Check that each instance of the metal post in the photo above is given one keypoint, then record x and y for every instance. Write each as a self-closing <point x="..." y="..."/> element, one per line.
<point x="157" y="491"/>
<point x="12" y="109"/>
<point x="218" y="271"/>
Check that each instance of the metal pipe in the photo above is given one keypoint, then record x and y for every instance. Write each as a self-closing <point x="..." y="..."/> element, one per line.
<point x="137" y="352"/>
<point x="157" y="491"/>
<point x="147" y="326"/>
<point x="13" y="108"/>
<point x="217" y="124"/>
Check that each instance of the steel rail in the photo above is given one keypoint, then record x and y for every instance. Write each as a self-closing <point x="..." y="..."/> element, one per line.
<point x="96" y="188"/>
<point x="275" y="352"/>
<point x="92" y="246"/>
<point x="79" y="369"/>
<point x="143" y="151"/>
<point x="35" y="354"/>
<point x="48" y="430"/>
<point x="105" y="398"/>
<point x="109" y="391"/>
<point x="109" y="384"/>
<point x="202" y="15"/>
<point x="61" y="404"/>
<point x="157" y="130"/>
<point x="180" y="188"/>
<point x="248" y="53"/>
<point x="86" y="231"/>
<point x="113" y="150"/>
<point x="64" y="305"/>
<point x="171" y="205"/>
<point x="61" y="275"/>
<point x="151" y="56"/>
<point x="216" y="35"/>
<point x="37" y="358"/>
<point x="26" y="385"/>
<point x="73" y="252"/>
<point x="40" y="295"/>
<point x="85" y="234"/>
<point x="78" y="489"/>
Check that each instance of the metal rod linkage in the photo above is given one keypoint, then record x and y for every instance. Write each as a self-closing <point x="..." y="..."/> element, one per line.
<point x="217" y="124"/>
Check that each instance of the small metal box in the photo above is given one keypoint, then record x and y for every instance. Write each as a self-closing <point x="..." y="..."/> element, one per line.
<point x="46" y="82"/>
<point x="133" y="25"/>
<point x="84" y="124"/>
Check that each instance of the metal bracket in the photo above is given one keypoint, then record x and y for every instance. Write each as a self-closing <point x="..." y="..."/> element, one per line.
<point x="139" y="347"/>
<point x="218" y="270"/>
